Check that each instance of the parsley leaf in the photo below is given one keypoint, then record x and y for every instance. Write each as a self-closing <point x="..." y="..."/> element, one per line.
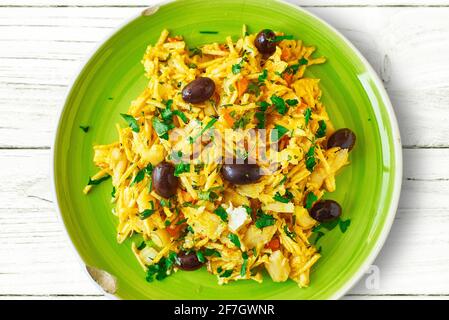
<point x="321" y="132"/>
<point x="292" y="102"/>
<point x="310" y="199"/>
<point x="253" y="88"/>
<point x="161" y="128"/>
<point x="280" y="38"/>
<point x="310" y="159"/>
<point x="307" y="115"/>
<point x="280" y="131"/>
<point x="284" y="199"/>
<point x="181" y="168"/>
<point x="226" y="274"/>
<point x="211" y="252"/>
<point x="236" y="68"/>
<point x="289" y="233"/>
<point x="344" y="225"/>
<point x="207" y="195"/>
<point x="132" y="122"/>
<point x="139" y="176"/>
<point x="221" y="212"/>
<point x="263" y="76"/>
<point x="244" y="264"/>
<point x="303" y="61"/>
<point x="260" y="116"/>
<point x="264" y="220"/>
<point x="147" y="212"/>
<point x="234" y="239"/>
<point x="97" y="181"/>
<point x="200" y="257"/>
<point x="279" y="104"/>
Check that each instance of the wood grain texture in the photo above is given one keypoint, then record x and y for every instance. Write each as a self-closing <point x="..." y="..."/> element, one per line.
<point x="42" y="48"/>
<point x="42" y="45"/>
<point x="37" y="260"/>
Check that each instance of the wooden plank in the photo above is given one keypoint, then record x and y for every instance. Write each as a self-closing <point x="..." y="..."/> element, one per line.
<point x="36" y="260"/>
<point x="43" y="47"/>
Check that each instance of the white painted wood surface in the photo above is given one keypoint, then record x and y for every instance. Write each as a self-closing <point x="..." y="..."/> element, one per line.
<point x="42" y="43"/>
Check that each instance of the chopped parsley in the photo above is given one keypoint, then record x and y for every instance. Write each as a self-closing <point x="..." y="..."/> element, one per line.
<point x="113" y="192"/>
<point x="207" y="195"/>
<point x="307" y="115"/>
<point x="141" y="245"/>
<point x="132" y="122"/>
<point x="208" y="32"/>
<point x="264" y="220"/>
<point x="243" y="121"/>
<point x="260" y="116"/>
<point x="279" y="104"/>
<point x="192" y="66"/>
<point x="97" y="181"/>
<point x="200" y="257"/>
<point x="160" y="270"/>
<point x="139" y="176"/>
<point x="234" y="239"/>
<point x="84" y="128"/>
<point x="221" y="212"/>
<point x="181" y="168"/>
<point x="280" y="131"/>
<point x="291" y="102"/>
<point x="310" y="159"/>
<point x="303" y="61"/>
<point x="211" y="252"/>
<point x="195" y="51"/>
<point x="310" y="199"/>
<point x="253" y="88"/>
<point x="226" y="273"/>
<point x="161" y="128"/>
<point x="321" y="132"/>
<point x="284" y="199"/>
<point x="280" y="38"/>
<point x="344" y="225"/>
<point x="289" y="233"/>
<point x="263" y="76"/>
<point x="236" y="68"/>
<point x="244" y="264"/>
<point x="147" y="212"/>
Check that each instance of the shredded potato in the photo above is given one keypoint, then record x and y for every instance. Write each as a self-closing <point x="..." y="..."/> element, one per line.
<point x="236" y="230"/>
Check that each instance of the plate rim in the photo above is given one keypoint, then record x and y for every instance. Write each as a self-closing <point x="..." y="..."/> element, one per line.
<point x="396" y="143"/>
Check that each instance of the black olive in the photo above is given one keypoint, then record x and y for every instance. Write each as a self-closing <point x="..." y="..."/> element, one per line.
<point x="165" y="182"/>
<point x="325" y="210"/>
<point x="244" y="173"/>
<point x="188" y="261"/>
<point x="343" y="138"/>
<point x="199" y="90"/>
<point x="265" y="42"/>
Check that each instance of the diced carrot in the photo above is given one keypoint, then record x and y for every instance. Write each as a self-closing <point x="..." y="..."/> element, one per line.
<point x="285" y="54"/>
<point x="187" y="197"/>
<point x="222" y="47"/>
<point x="274" y="244"/>
<point x="228" y="118"/>
<point x="288" y="77"/>
<point x="242" y="85"/>
<point x="174" y="39"/>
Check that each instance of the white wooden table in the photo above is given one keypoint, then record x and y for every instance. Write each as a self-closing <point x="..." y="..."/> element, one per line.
<point x="42" y="43"/>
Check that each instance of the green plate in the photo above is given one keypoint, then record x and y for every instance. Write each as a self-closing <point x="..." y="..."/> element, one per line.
<point x="368" y="189"/>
